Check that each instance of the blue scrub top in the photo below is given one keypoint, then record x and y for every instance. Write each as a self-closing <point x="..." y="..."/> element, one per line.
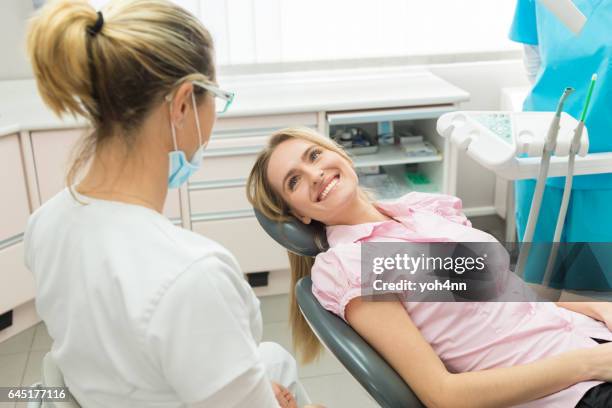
<point x="570" y="60"/>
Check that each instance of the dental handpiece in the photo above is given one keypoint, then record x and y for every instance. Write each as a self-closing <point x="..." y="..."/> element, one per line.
<point x="534" y="211"/>
<point x="567" y="188"/>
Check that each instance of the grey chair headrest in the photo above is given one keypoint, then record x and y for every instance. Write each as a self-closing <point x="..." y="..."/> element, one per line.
<point x="297" y="237"/>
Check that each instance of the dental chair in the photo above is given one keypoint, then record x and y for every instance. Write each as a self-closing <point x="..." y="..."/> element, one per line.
<point x="381" y="381"/>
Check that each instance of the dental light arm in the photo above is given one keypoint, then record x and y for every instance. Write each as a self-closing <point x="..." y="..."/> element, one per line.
<point x="567" y="12"/>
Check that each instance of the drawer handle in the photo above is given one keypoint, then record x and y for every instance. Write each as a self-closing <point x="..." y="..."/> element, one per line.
<point x="208" y="185"/>
<point x="239" y="151"/>
<point x="11" y="241"/>
<point x="222" y="215"/>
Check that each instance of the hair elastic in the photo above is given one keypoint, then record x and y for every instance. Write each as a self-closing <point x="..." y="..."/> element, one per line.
<point x="95" y="29"/>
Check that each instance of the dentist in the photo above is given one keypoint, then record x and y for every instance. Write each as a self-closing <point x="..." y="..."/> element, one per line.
<point x="142" y="313"/>
<point x="557" y="58"/>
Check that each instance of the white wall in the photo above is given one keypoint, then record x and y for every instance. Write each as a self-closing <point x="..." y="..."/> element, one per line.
<point x="483" y="80"/>
<point x="13" y="18"/>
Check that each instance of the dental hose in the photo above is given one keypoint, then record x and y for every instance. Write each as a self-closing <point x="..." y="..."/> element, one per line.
<point x="534" y="211"/>
<point x="567" y="188"/>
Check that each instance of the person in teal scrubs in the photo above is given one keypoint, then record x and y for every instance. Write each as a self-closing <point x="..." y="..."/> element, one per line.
<point x="559" y="58"/>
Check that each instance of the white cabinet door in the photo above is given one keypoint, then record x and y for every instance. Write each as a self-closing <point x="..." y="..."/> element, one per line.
<point x="233" y="126"/>
<point x="16" y="281"/>
<point x="247" y="241"/>
<point x="14" y="202"/>
<point x="53" y="151"/>
<point x="52" y="158"/>
<point x="218" y="200"/>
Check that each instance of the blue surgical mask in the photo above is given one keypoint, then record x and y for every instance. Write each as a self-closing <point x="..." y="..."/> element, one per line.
<point x="180" y="169"/>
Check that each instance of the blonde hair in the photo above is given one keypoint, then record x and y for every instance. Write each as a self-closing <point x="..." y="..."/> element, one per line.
<point x="113" y="78"/>
<point x="264" y="198"/>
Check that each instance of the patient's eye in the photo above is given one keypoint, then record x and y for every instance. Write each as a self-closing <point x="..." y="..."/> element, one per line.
<point x="292" y="182"/>
<point x="315" y="153"/>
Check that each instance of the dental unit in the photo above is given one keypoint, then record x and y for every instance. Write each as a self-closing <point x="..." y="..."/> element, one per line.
<point x="510" y="144"/>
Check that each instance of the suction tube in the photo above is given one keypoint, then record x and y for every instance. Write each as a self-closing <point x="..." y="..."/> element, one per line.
<point x="534" y="211"/>
<point x="567" y="188"/>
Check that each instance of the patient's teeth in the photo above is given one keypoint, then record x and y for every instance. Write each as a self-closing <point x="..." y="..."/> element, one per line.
<point x="329" y="187"/>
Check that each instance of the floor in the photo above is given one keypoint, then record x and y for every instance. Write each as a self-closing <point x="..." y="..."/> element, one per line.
<point x="326" y="381"/>
<point x="20" y="358"/>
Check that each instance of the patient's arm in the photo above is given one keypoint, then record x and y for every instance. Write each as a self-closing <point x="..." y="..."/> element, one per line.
<point x="585" y="305"/>
<point x="388" y="328"/>
<point x="597" y="310"/>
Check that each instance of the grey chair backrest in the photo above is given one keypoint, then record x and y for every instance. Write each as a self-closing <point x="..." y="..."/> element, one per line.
<point x="297" y="237"/>
<point x="363" y="362"/>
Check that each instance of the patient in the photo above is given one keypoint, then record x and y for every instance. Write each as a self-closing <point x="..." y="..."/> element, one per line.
<point x="470" y="354"/>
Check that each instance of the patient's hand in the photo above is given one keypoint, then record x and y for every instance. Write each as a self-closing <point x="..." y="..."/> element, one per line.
<point x="283" y="396"/>
<point x="605" y="311"/>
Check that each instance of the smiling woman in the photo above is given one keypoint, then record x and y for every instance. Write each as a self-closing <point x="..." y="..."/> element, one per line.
<point x="313" y="174"/>
<point x="460" y="354"/>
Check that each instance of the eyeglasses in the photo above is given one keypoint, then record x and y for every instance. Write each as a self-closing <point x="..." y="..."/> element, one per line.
<point x="223" y="99"/>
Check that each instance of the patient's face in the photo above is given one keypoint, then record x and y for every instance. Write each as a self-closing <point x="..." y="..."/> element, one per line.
<point x="316" y="183"/>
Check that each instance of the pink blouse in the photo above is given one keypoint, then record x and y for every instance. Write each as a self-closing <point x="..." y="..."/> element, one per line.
<point x="467" y="336"/>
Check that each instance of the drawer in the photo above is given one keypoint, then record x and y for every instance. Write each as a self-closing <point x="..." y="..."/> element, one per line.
<point x="15" y="203"/>
<point x="16" y="281"/>
<point x="52" y="156"/>
<point x="243" y="237"/>
<point x="220" y="166"/>
<point x="218" y="200"/>
<point x="231" y="152"/>
<point x="52" y="151"/>
<point x="237" y="126"/>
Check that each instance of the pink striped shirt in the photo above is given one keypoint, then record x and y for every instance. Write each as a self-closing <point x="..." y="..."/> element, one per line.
<point x="467" y="336"/>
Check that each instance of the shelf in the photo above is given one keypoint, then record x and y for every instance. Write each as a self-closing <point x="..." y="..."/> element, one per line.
<point x="390" y="154"/>
<point x="395" y="186"/>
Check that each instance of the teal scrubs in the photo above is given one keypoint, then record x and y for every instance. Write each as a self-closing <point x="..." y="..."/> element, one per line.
<point x="570" y="60"/>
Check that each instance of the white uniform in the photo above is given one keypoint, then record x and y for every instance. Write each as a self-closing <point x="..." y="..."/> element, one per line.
<point x="143" y="313"/>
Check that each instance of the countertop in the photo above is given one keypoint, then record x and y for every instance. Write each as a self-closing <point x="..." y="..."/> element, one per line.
<point x="21" y="107"/>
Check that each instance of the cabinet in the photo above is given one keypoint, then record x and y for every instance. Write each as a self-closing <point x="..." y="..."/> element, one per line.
<point x="396" y="167"/>
<point x="241" y="234"/>
<point x="217" y="196"/>
<point x="34" y="161"/>
<point x="16" y="281"/>
<point x="14" y="204"/>
<point x="53" y="153"/>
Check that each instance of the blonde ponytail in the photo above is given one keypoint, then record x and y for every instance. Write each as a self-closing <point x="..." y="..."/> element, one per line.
<point x="304" y="340"/>
<point x="116" y="75"/>
<point x="57" y="47"/>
